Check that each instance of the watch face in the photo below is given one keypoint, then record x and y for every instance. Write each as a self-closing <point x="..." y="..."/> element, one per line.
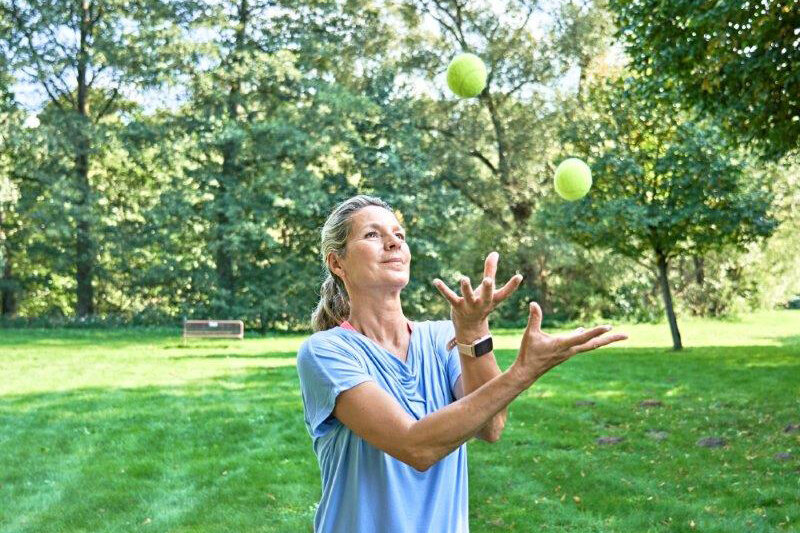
<point x="483" y="347"/>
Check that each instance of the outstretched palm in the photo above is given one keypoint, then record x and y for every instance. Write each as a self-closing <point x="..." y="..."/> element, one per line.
<point x="475" y="305"/>
<point x="540" y="352"/>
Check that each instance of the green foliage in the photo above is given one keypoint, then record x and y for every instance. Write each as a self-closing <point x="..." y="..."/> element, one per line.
<point x="758" y="275"/>
<point x="737" y="60"/>
<point x="497" y="151"/>
<point x="209" y="141"/>
<point x="663" y="184"/>
<point x="84" y="57"/>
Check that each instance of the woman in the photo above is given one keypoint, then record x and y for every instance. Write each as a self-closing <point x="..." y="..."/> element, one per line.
<point x="390" y="403"/>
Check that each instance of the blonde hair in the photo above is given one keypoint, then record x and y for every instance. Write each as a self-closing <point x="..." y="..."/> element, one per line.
<point x="334" y="304"/>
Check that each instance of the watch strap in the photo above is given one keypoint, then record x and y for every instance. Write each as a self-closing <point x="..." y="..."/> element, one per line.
<point x="478" y="348"/>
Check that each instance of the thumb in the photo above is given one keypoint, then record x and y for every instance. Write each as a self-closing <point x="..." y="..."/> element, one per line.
<point x="535" y="317"/>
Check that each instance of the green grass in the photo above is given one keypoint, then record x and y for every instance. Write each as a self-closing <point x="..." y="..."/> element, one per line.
<point x="129" y="431"/>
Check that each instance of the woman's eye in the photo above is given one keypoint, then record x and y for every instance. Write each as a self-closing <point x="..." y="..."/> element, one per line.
<point x="371" y="233"/>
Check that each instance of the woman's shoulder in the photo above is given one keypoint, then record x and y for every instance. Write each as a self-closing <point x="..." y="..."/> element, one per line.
<point x="325" y="338"/>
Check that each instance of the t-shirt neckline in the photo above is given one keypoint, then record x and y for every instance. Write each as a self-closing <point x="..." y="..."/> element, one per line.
<point x="348" y="326"/>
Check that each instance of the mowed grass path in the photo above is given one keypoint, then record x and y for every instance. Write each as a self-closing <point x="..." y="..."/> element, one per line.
<point x="129" y="431"/>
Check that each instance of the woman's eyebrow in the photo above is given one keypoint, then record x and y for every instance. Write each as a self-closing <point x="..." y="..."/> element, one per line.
<point x="376" y="225"/>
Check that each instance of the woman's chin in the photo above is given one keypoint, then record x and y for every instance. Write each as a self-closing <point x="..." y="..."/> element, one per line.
<point x="398" y="282"/>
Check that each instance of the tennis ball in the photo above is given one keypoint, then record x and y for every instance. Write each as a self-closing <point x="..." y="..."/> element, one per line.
<point x="466" y="75"/>
<point x="573" y="179"/>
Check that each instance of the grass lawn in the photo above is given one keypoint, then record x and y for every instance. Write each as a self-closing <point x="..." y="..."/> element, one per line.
<point x="129" y="431"/>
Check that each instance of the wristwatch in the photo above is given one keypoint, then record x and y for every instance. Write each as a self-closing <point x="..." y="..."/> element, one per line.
<point x="478" y="348"/>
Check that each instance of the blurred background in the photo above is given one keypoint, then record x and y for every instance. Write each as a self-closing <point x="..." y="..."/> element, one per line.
<point x="162" y="160"/>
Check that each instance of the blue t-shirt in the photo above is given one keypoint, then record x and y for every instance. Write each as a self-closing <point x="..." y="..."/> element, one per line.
<point x="364" y="489"/>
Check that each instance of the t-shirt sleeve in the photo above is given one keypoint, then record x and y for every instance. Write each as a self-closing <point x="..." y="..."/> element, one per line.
<point x="453" y="360"/>
<point x="325" y="371"/>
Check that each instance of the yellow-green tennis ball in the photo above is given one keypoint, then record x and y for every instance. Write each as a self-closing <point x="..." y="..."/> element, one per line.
<point x="466" y="75"/>
<point x="573" y="179"/>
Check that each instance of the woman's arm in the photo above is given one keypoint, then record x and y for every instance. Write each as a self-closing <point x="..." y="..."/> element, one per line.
<point x="469" y="313"/>
<point x="475" y="371"/>
<point x="371" y="413"/>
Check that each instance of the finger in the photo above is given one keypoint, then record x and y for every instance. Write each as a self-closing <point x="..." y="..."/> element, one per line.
<point x="508" y="289"/>
<point x="490" y="266"/>
<point x="535" y="317"/>
<point x="451" y="296"/>
<point x="597" y="343"/>
<point x="580" y="337"/>
<point x="466" y="290"/>
<point x="487" y="289"/>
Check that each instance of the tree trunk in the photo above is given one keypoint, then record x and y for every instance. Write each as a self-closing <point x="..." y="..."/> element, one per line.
<point x="84" y="249"/>
<point x="699" y="271"/>
<point x="663" y="278"/>
<point x="532" y="277"/>
<point x="231" y="173"/>
<point x="8" y="297"/>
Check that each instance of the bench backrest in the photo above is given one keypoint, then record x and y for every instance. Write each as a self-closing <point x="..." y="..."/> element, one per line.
<point x="227" y="329"/>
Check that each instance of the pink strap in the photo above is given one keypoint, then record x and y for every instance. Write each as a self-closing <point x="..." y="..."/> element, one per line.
<point x="348" y="325"/>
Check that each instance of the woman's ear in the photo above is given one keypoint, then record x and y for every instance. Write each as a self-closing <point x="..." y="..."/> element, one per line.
<point x="334" y="265"/>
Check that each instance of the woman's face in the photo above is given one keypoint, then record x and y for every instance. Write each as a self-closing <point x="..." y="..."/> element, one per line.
<point x="377" y="255"/>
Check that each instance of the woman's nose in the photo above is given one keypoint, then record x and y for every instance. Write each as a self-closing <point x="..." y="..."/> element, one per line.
<point x="394" y="242"/>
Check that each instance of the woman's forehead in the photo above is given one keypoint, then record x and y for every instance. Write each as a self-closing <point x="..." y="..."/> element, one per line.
<point x="374" y="215"/>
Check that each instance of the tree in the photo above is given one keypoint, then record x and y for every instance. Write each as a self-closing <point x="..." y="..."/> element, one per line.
<point x="497" y="150"/>
<point x="277" y="108"/>
<point x="11" y="120"/>
<point x="664" y="185"/>
<point x="84" y="55"/>
<point x="737" y="60"/>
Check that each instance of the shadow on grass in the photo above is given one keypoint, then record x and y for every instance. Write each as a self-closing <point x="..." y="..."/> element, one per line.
<point x="272" y="355"/>
<point x="232" y="452"/>
<point x="794" y="340"/>
<point x="78" y="337"/>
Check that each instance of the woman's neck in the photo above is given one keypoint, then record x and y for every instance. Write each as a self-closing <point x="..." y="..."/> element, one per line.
<point x="380" y="318"/>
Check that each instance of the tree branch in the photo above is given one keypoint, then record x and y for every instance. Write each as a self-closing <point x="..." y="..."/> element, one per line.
<point x="107" y="104"/>
<point x="500" y="140"/>
<point x="474" y="153"/>
<point x="95" y="73"/>
<point x="453" y="27"/>
<point x="484" y="160"/>
<point x="458" y="184"/>
<point x="42" y="77"/>
<point x="514" y="37"/>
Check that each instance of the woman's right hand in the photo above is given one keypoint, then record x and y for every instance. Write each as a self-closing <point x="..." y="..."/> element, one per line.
<point x="539" y="352"/>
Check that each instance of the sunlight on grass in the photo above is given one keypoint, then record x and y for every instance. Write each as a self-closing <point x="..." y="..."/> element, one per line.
<point x="210" y="436"/>
<point x="42" y="360"/>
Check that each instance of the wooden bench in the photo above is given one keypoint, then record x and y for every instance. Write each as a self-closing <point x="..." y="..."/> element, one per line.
<point x="213" y="329"/>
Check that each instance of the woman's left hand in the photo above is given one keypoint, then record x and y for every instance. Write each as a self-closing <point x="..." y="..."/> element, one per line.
<point x="470" y="311"/>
